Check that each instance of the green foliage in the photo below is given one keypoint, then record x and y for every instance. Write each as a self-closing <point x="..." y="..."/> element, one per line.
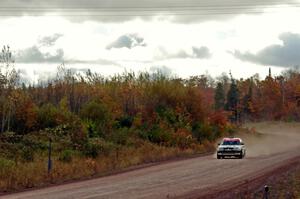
<point x="47" y="116"/>
<point x="66" y="156"/>
<point x="232" y="97"/>
<point x="97" y="146"/>
<point x="124" y="122"/>
<point x="6" y="166"/>
<point x="27" y="154"/>
<point x="120" y="136"/>
<point x="167" y="114"/>
<point x="219" y="97"/>
<point x="95" y="111"/>
<point x="204" y="131"/>
<point x="233" y="100"/>
<point x="78" y="133"/>
<point x="91" y="128"/>
<point x="158" y="135"/>
<point x="58" y="131"/>
<point x="10" y="137"/>
<point x="97" y="118"/>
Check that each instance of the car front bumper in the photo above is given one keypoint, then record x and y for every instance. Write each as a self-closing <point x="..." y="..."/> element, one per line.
<point x="229" y="153"/>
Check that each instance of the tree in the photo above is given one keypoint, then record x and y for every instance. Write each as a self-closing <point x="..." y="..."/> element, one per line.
<point x="233" y="100"/>
<point x="219" y="97"/>
<point x="8" y="81"/>
<point x="247" y="101"/>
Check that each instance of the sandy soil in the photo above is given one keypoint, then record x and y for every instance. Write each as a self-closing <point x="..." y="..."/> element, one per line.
<point x="192" y="178"/>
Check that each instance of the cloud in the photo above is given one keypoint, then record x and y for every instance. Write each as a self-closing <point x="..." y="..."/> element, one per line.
<point x="164" y="70"/>
<point x="193" y="53"/>
<point x="120" y="11"/>
<point x="49" y="40"/>
<point x="286" y="54"/>
<point x="24" y="76"/>
<point x="97" y="61"/>
<point x="201" y="53"/>
<point x="34" y="55"/>
<point x="127" y="41"/>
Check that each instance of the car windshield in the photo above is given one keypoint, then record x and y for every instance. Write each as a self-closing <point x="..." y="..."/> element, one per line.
<point x="231" y="142"/>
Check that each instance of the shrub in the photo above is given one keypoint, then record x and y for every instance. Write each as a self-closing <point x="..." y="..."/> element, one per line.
<point x="158" y="135"/>
<point x="77" y="132"/>
<point x="120" y="136"/>
<point x="6" y="166"/>
<point x="124" y="122"/>
<point x="182" y="139"/>
<point x="95" y="111"/>
<point x="97" y="146"/>
<point x="66" y="156"/>
<point x="47" y="115"/>
<point x="202" y="132"/>
<point x="27" y="154"/>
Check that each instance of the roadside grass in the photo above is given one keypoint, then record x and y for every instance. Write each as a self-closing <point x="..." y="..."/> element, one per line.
<point x="15" y="176"/>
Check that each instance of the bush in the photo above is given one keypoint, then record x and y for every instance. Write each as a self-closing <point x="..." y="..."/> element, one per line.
<point x="27" y="154"/>
<point x="78" y="133"/>
<point x="96" y="147"/>
<point x="5" y="166"/>
<point x="202" y="132"/>
<point x="123" y="122"/>
<point x="158" y="135"/>
<point x="66" y="156"/>
<point x="95" y="111"/>
<point x="120" y="136"/>
<point x="182" y="139"/>
<point x="47" y="116"/>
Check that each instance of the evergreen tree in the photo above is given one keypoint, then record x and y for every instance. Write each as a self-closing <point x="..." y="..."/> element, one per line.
<point x="232" y="100"/>
<point x="247" y="101"/>
<point x="219" y="97"/>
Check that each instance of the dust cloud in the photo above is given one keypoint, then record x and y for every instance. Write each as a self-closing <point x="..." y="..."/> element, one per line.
<point x="272" y="138"/>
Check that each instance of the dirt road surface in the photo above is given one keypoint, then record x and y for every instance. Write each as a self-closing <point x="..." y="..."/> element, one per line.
<point x="191" y="178"/>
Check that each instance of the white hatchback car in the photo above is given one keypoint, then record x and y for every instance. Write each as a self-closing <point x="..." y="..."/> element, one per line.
<point x="231" y="147"/>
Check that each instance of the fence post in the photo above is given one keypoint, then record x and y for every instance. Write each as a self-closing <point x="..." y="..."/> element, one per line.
<point x="266" y="192"/>
<point x="49" y="156"/>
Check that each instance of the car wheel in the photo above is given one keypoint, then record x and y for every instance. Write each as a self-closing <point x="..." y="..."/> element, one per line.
<point x="218" y="157"/>
<point x="241" y="156"/>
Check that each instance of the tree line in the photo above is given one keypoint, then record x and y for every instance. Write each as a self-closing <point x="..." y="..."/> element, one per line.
<point x="154" y="107"/>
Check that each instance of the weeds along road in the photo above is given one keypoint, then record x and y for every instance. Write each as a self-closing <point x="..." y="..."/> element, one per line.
<point x="190" y="178"/>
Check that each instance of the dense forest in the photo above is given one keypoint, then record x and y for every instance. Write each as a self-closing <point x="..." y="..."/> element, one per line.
<point x="99" y="123"/>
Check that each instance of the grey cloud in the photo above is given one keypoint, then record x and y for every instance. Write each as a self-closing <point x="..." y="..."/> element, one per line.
<point x="187" y="11"/>
<point x="98" y="61"/>
<point x="201" y="53"/>
<point x="49" y="40"/>
<point x="196" y="53"/>
<point x="128" y="41"/>
<point x="287" y="54"/>
<point x="34" y="55"/>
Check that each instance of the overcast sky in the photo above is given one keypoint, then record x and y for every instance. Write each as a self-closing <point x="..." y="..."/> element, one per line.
<point x="180" y="37"/>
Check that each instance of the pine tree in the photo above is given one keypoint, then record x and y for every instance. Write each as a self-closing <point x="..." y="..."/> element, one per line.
<point x="232" y="100"/>
<point x="219" y="97"/>
<point x="247" y="101"/>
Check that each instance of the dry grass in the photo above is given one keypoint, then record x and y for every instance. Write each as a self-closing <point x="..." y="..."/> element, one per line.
<point x="282" y="186"/>
<point x="18" y="176"/>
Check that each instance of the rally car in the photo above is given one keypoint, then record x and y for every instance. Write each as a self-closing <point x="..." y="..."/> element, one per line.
<point x="231" y="147"/>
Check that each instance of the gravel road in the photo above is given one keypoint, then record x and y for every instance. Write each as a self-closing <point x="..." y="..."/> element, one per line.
<point x="191" y="178"/>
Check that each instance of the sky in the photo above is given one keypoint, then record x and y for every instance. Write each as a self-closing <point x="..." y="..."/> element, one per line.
<point x="180" y="38"/>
